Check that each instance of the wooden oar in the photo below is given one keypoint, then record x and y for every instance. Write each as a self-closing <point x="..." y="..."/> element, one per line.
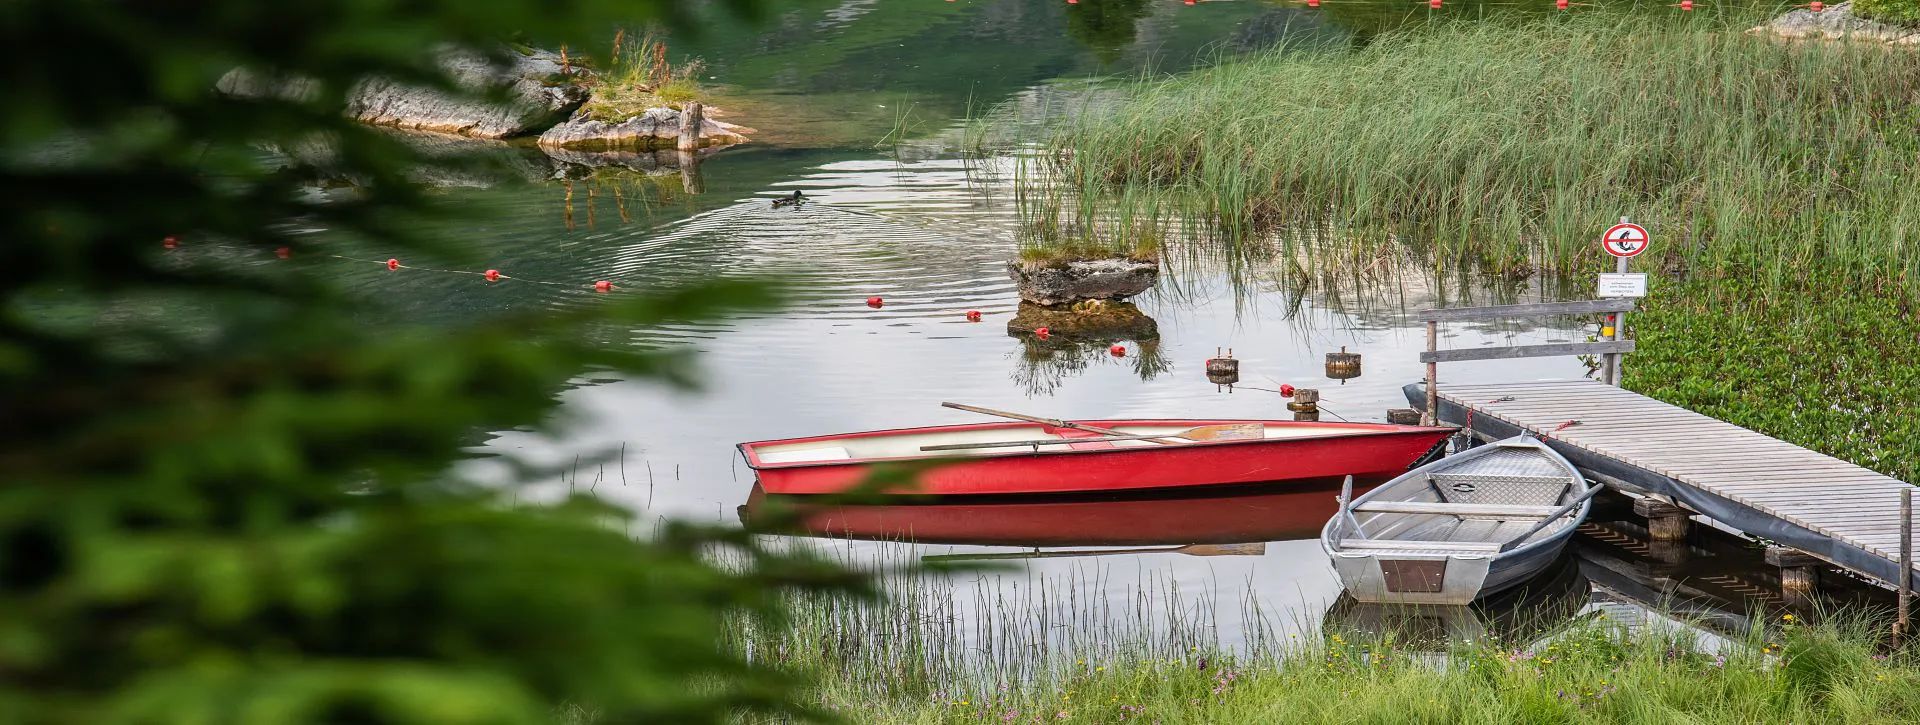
<point x="1552" y="517"/>
<point x="1048" y="421"/>
<point x="1223" y="432"/>
<point x="1250" y="549"/>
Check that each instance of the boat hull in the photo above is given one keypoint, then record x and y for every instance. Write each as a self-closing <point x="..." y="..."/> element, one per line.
<point x="1363" y="450"/>
<point x="1444" y="551"/>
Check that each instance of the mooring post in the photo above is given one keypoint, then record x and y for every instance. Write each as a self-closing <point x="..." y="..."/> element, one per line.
<point x="692" y="117"/>
<point x="1433" y="374"/>
<point x="1665" y="521"/>
<point x="1906" y="563"/>
<point x="1403" y="416"/>
<point x="1306" y="404"/>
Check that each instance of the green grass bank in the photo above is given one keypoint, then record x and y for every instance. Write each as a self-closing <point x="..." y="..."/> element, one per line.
<point x="906" y="661"/>
<point x="1780" y="180"/>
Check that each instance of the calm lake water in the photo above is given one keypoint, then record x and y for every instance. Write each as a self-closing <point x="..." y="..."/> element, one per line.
<point x="930" y="230"/>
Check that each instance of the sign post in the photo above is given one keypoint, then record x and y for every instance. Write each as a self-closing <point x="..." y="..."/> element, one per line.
<point x="1624" y="241"/>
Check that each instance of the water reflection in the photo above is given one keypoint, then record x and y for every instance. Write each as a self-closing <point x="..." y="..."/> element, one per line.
<point x="1240" y="515"/>
<point x="1519" y="615"/>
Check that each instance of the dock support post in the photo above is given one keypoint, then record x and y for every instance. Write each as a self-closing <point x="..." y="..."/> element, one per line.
<point x="1665" y="521"/>
<point x="1906" y="563"/>
<point x="1433" y="374"/>
<point x="1799" y="573"/>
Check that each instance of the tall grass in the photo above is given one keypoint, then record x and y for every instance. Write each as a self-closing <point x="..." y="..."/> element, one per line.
<point x="1511" y="143"/>
<point x="1060" y="651"/>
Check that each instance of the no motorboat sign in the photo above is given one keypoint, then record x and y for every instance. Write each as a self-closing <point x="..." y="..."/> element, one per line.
<point x="1625" y="240"/>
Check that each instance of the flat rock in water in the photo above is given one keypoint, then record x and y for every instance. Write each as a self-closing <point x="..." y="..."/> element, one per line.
<point x="1837" y="22"/>
<point x="535" y="90"/>
<point x="1053" y="283"/>
<point x="656" y="128"/>
<point x="538" y="94"/>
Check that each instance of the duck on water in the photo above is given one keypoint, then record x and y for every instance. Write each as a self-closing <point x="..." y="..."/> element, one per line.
<point x="794" y="200"/>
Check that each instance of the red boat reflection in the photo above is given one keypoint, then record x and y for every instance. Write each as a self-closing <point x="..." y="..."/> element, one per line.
<point x="1223" y="516"/>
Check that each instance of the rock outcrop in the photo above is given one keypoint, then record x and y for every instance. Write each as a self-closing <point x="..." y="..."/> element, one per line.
<point x="537" y="94"/>
<point x="1052" y="284"/>
<point x="1837" y="22"/>
<point x="655" y="129"/>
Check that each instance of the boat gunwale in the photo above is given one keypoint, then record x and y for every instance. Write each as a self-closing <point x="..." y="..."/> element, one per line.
<point x="1358" y="430"/>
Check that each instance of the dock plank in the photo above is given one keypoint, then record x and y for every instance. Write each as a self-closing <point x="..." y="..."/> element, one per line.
<point x="1845" y="511"/>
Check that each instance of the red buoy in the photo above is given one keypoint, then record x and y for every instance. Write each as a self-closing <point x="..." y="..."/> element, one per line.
<point x="1816" y="6"/>
<point x="1561" y="4"/>
<point x="492" y="275"/>
<point x="1117" y="351"/>
<point x="603" y="286"/>
<point x="1189" y="2"/>
<point x="283" y="252"/>
<point x="393" y="264"/>
<point x="1042" y="333"/>
<point x="1313" y="3"/>
<point x="1686" y="5"/>
<point x="1286" y="390"/>
<point x="1434" y="4"/>
<point x="170" y="242"/>
<point x="875" y="302"/>
<point x="973" y="315"/>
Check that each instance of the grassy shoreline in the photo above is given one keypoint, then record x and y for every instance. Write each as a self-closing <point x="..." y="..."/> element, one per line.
<point x="903" y="660"/>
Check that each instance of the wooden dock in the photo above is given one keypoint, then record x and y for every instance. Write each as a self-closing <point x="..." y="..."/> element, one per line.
<point x="1835" y="511"/>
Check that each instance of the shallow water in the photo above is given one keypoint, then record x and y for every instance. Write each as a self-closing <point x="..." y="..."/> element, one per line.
<point x="929" y="230"/>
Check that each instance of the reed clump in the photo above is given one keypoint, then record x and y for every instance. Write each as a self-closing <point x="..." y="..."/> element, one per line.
<point x="638" y="76"/>
<point x="1510" y="143"/>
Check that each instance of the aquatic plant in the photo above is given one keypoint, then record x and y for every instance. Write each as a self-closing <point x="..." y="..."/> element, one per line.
<point x="1507" y="144"/>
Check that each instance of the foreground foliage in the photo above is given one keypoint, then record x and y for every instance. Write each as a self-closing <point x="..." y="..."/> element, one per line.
<point x="224" y="495"/>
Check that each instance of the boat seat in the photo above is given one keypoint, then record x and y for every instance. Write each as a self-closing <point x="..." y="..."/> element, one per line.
<point x="1072" y="433"/>
<point x="1433" y="547"/>
<point x="1464" y="510"/>
<point x="824" y="453"/>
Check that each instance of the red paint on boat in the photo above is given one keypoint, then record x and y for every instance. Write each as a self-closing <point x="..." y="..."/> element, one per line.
<point x="1297" y="512"/>
<point x="1362" y="450"/>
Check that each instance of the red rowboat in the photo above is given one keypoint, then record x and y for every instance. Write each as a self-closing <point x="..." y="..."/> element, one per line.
<point x="1218" y="516"/>
<point x="1050" y="459"/>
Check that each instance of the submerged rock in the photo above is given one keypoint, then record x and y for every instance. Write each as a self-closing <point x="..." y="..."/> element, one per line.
<point x="656" y="128"/>
<point x="1837" y="22"/>
<point x="1053" y="284"/>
